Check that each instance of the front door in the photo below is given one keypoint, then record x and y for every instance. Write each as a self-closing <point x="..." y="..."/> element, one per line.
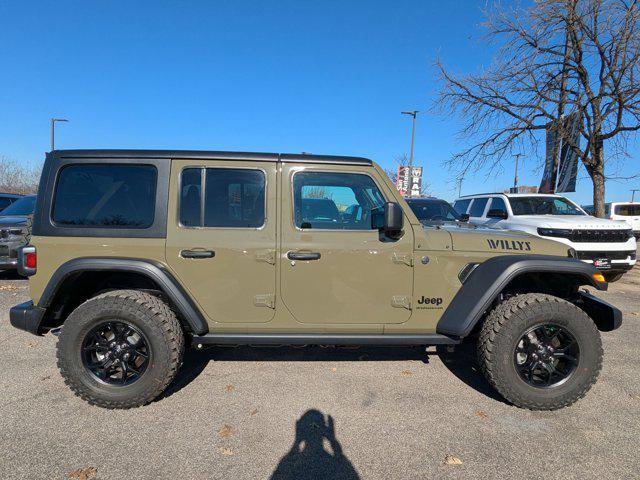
<point x="221" y="241"/>
<point x="336" y="267"/>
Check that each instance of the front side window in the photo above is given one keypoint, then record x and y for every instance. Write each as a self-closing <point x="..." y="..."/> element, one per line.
<point x="233" y="198"/>
<point x="105" y="196"/>
<point x="336" y="201"/>
<point x="543" y="206"/>
<point x="497" y="203"/>
<point x="477" y="207"/>
<point x="461" y="206"/>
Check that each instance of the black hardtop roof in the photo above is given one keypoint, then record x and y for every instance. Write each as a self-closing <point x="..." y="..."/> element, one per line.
<point x="211" y="155"/>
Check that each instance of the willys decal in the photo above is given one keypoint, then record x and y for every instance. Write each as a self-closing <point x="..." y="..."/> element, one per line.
<point x="517" y="245"/>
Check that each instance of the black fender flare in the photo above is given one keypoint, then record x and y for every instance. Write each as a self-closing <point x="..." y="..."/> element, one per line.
<point x="489" y="278"/>
<point x="153" y="270"/>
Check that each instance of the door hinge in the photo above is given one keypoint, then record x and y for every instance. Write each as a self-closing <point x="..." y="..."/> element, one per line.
<point x="401" y="301"/>
<point x="404" y="258"/>
<point x="265" y="300"/>
<point x="268" y="256"/>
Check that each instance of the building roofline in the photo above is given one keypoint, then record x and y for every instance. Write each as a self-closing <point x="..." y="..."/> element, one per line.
<point x="211" y="155"/>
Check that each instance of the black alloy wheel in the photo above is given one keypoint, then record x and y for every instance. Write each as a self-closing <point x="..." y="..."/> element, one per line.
<point x="546" y="356"/>
<point x="116" y="353"/>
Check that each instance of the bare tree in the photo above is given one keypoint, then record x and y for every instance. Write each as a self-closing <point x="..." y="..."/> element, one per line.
<point x="15" y="178"/>
<point x="555" y="58"/>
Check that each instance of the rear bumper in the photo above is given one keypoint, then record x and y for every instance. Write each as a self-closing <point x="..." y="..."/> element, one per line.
<point x="28" y="317"/>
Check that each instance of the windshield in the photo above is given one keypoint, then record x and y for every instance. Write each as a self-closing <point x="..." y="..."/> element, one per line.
<point x="24" y="206"/>
<point x="543" y="206"/>
<point x="433" y="211"/>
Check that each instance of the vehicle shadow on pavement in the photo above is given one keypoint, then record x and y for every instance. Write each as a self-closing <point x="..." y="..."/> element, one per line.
<point x="463" y="364"/>
<point x="308" y="458"/>
<point x="11" y="275"/>
<point x="461" y="361"/>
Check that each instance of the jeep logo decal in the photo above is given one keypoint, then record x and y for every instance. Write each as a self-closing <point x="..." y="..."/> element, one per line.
<point x="433" y="303"/>
<point x="509" y="245"/>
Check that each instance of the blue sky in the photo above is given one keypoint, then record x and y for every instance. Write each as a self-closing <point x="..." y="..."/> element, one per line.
<point x="288" y="76"/>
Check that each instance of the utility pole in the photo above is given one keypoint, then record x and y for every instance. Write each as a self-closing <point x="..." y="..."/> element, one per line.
<point x="633" y="194"/>
<point x="53" y="131"/>
<point x="413" y="134"/>
<point x="460" y="184"/>
<point x="515" y="178"/>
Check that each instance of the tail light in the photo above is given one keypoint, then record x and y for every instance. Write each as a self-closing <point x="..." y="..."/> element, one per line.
<point x="27" y="260"/>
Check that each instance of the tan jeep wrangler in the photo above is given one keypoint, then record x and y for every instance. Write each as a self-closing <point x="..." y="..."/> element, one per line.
<point x="135" y="253"/>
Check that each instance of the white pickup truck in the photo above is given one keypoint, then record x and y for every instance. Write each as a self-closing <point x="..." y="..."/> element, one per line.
<point x="609" y="245"/>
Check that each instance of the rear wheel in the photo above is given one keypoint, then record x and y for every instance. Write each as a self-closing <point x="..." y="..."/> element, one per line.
<point x="120" y="349"/>
<point x="540" y="352"/>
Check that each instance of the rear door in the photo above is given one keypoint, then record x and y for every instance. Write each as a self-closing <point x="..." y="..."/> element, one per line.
<point x="221" y="240"/>
<point x="336" y="267"/>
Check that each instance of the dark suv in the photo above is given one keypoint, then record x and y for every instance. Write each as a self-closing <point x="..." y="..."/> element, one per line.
<point x="15" y="230"/>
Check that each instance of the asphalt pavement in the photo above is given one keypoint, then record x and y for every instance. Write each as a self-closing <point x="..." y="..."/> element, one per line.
<point x="310" y="413"/>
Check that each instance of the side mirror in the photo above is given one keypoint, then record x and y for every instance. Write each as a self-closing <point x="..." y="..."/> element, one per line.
<point x="497" y="214"/>
<point x="464" y="217"/>
<point x="393" y="219"/>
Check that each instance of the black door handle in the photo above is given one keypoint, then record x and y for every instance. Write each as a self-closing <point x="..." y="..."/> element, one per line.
<point x="303" y="255"/>
<point x="197" y="253"/>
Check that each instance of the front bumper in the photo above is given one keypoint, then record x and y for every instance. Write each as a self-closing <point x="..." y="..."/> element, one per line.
<point x="8" y="253"/>
<point x="604" y="315"/>
<point x="28" y="317"/>
<point x="8" y="263"/>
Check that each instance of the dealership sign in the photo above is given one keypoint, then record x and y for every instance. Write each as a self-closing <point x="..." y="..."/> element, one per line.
<point x="402" y="181"/>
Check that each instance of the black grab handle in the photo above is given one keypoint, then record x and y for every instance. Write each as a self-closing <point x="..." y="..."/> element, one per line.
<point x="197" y="254"/>
<point x="303" y="255"/>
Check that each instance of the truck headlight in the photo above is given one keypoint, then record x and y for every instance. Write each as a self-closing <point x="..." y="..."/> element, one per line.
<point x="555" y="232"/>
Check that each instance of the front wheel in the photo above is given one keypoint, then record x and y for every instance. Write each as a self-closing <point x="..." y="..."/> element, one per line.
<point x="120" y="349"/>
<point x="540" y="352"/>
<point x="611" y="277"/>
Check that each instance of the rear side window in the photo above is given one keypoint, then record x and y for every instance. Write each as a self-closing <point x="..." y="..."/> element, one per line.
<point x="106" y="196"/>
<point x="477" y="207"/>
<point x="222" y="197"/>
<point x="461" y="206"/>
<point x="628" y="210"/>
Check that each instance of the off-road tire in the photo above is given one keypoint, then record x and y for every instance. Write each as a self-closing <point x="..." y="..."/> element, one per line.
<point x="503" y="328"/>
<point x="148" y="314"/>
<point x="612" y="277"/>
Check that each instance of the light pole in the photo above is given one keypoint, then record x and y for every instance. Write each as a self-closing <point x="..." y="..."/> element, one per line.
<point x="53" y="131"/>
<point x="633" y="194"/>
<point x="413" y="135"/>
<point x="515" y="178"/>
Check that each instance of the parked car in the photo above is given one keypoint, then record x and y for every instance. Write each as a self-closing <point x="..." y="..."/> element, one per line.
<point x="627" y="211"/>
<point x="608" y="245"/>
<point x="433" y="210"/>
<point x="15" y="229"/>
<point x="142" y="252"/>
<point x="7" y="199"/>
